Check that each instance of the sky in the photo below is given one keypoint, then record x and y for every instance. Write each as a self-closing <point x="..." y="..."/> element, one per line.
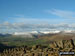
<point x="36" y="12"/>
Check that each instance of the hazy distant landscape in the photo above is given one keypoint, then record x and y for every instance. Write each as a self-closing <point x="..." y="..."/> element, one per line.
<point x="18" y="43"/>
<point x="43" y="39"/>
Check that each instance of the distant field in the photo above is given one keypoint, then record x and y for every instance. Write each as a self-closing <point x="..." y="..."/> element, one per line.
<point x="20" y="41"/>
<point x="43" y="40"/>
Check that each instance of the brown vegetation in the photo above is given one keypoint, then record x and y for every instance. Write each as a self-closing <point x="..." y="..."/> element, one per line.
<point x="37" y="50"/>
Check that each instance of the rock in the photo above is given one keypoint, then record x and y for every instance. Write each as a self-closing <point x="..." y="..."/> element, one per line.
<point x="68" y="43"/>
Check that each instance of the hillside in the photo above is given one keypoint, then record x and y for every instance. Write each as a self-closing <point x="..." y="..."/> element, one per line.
<point x="54" y="49"/>
<point x="60" y="36"/>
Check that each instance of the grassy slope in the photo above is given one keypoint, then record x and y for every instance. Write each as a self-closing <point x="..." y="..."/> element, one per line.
<point x="44" y="40"/>
<point x="11" y="41"/>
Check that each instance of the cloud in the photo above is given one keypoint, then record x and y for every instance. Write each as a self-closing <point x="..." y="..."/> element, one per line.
<point x="21" y="24"/>
<point x="29" y="20"/>
<point x="22" y="27"/>
<point x="62" y="13"/>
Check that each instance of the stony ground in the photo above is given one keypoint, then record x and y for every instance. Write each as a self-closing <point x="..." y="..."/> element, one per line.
<point x="37" y="50"/>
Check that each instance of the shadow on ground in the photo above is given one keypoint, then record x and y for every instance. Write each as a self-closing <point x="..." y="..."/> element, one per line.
<point x="3" y="47"/>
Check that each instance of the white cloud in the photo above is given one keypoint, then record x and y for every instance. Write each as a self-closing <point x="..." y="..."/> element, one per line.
<point x="62" y="13"/>
<point x="29" y="20"/>
<point x="13" y="27"/>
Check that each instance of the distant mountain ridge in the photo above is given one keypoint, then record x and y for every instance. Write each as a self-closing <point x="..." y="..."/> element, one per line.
<point x="4" y="35"/>
<point x="37" y="33"/>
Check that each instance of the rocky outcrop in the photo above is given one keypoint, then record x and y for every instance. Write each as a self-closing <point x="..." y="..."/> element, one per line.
<point x="38" y="50"/>
<point x="62" y="44"/>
